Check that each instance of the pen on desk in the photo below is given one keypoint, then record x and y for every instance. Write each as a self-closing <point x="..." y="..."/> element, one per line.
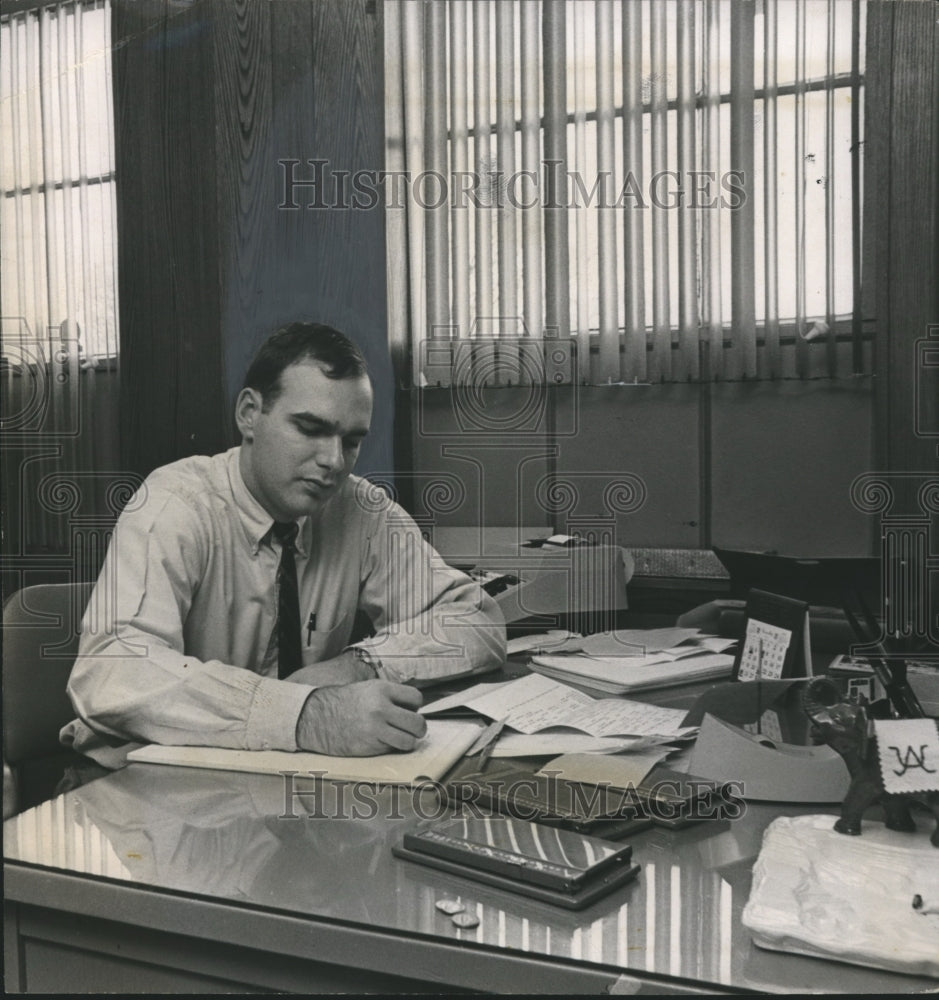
<point x="310" y="627"/>
<point x="759" y="686"/>
<point x="492" y="737"/>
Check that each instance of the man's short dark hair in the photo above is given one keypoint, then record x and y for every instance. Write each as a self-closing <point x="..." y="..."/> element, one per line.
<point x="298" y="342"/>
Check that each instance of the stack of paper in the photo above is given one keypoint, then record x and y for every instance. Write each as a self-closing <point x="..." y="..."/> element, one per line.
<point x="640" y="659"/>
<point x="445" y="742"/>
<point x="540" y="710"/>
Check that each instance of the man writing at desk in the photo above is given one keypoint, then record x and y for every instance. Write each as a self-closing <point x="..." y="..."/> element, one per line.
<point x="235" y="580"/>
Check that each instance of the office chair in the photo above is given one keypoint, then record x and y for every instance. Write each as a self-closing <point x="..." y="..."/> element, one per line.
<point x="40" y="640"/>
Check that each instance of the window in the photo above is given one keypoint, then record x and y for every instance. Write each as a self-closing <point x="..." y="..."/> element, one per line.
<point x="673" y="184"/>
<point x="58" y="289"/>
<point x="57" y="213"/>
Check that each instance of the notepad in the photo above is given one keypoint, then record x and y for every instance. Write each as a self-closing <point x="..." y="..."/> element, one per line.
<point x="622" y="675"/>
<point x="443" y="745"/>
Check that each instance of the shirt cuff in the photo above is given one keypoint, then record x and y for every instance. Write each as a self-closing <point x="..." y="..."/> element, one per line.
<point x="274" y="713"/>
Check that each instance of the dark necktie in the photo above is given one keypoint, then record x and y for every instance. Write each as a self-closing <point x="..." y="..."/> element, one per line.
<point x="289" y="657"/>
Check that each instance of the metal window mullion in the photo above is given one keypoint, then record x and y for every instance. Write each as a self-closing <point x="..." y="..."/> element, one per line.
<point x="801" y="345"/>
<point x="41" y="526"/>
<point x="634" y="265"/>
<point x="661" y="368"/>
<point x="582" y="296"/>
<point x="770" y="195"/>
<point x="459" y="162"/>
<point x="609" y="360"/>
<point x="743" y="312"/>
<point x="687" y="217"/>
<point x="532" y="238"/>
<point x="831" y="347"/>
<point x="65" y="142"/>
<point x="396" y="234"/>
<point x="437" y="228"/>
<point x="112" y="337"/>
<point x="712" y="163"/>
<point x="557" y="290"/>
<point x="857" y="349"/>
<point x="412" y="71"/>
<point x="89" y="274"/>
<point x="13" y="147"/>
<point x="38" y="304"/>
<point x="508" y="367"/>
<point x="485" y="306"/>
<point x="90" y="309"/>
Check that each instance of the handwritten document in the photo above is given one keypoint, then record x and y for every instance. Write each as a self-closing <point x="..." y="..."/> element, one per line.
<point x="535" y="703"/>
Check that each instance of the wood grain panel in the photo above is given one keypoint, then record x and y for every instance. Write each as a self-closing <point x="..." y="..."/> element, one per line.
<point x="246" y="179"/>
<point x="348" y="244"/>
<point x="210" y="95"/>
<point x="900" y="216"/>
<point x="172" y="403"/>
<point x="913" y="262"/>
<point x="346" y="83"/>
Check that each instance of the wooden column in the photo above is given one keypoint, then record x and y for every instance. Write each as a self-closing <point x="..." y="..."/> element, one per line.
<point x="901" y="258"/>
<point x="221" y="107"/>
<point x="172" y="399"/>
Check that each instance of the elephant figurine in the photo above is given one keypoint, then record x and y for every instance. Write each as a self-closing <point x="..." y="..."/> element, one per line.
<point x="847" y="727"/>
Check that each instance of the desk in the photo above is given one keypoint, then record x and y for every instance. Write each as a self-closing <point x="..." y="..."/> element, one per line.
<point x="167" y="879"/>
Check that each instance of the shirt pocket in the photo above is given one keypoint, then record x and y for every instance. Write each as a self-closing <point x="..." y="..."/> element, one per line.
<point x="324" y="643"/>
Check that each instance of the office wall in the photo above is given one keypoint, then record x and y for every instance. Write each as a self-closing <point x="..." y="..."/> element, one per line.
<point x="60" y="475"/>
<point x="765" y="466"/>
<point x="770" y="465"/>
<point x="210" y="96"/>
<point x="301" y="81"/>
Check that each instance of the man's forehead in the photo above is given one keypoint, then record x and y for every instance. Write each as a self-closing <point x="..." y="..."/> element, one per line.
<point x="306" y="374"/>
<point x="307" y="390"/>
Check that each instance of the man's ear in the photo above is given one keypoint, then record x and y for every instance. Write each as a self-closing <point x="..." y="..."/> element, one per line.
<point x="248" y="407"/>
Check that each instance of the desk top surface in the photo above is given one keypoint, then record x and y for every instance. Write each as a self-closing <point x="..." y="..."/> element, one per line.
<point x="239" y="837"/>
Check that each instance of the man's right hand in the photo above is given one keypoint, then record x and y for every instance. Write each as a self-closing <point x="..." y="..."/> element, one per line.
<point x="361" y="719"/>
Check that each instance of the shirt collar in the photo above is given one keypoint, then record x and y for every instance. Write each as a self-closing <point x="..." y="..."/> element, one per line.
<point x="255" y="520"/>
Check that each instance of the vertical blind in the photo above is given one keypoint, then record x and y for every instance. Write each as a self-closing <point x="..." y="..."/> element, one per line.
<point x="58" y="312"/>
<point x="674" y="185"/>
<point x="57" y="214"/>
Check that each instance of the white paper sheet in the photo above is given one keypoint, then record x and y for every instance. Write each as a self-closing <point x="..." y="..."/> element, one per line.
<point x="621" y="771"/>
<point x="446" y="741"/>
<point x="640" y="641"/>
<point x="553" y="741"/>
<point x="551" y="641"/>
<point x="618" y="675"/>
<point x="534" y="703"/>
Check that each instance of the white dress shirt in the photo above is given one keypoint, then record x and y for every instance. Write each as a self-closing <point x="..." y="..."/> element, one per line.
<point x="178" y="642"/>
